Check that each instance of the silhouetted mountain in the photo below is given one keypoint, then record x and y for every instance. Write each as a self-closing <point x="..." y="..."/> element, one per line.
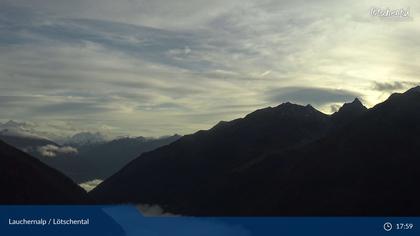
<point x="202" y="160"/>
<point x="288" y="160"/>
<point x="414" y="90"/>
<point x="348" y="112"/>
<point x="26" y="180"/>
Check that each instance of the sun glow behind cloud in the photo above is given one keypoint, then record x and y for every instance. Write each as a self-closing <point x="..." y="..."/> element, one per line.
<point x="162" y="67"/>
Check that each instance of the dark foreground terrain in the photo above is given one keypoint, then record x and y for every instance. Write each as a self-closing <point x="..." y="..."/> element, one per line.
<point x="26" y="180"/>
<point x="286" y="160"/>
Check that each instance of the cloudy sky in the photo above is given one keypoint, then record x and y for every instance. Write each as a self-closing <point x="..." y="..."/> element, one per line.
<point x="157" y="67"/>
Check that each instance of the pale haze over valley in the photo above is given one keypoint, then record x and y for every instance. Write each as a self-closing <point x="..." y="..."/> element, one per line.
<point x="156" y="68"/>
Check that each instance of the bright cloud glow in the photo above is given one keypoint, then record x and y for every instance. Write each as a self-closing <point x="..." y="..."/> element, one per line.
<point x="162" y="67"/>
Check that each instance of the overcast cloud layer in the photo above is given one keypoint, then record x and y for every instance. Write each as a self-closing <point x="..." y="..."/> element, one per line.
<point x="161" y="67"/>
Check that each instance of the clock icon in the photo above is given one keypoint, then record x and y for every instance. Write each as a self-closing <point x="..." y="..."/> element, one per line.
<point x="387" y="226"/>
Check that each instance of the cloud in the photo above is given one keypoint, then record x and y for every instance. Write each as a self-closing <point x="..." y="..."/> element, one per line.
<point x="52" y="150"/>
<point x="89" y="185"/>
<point x="392" y="86"/>
<point x="160" y="67"/>
<point x="307" y="95"/>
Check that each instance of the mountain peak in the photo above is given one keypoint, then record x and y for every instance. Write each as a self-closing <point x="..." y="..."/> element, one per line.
<point x="357" y="101"/>
<point x="287" y="108"/>
<point x="84" y="138"/>
<point x="348" y="112"/>
<point x="355" y="106"/>
<point x="289" y="105"/>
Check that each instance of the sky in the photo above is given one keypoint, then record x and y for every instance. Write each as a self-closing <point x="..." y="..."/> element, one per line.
<point x="159" y="67"/>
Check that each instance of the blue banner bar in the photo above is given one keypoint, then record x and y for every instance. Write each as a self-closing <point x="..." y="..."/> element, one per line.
<point x="127" y="220"/>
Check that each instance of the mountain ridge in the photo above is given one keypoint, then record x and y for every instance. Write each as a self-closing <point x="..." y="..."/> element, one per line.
<point x="273" y="162"/>
<point x="26" y="180"/>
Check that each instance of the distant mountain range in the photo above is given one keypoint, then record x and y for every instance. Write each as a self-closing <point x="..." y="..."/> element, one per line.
<point x="26" y="143"/>
<point x="101" y="160"/>
<point x="86" y="138"/>
<point x="286" y="160"/>
<point x="26" y="180"/>
<point x="85" y="156"/>
<point x="31" y="131"/>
